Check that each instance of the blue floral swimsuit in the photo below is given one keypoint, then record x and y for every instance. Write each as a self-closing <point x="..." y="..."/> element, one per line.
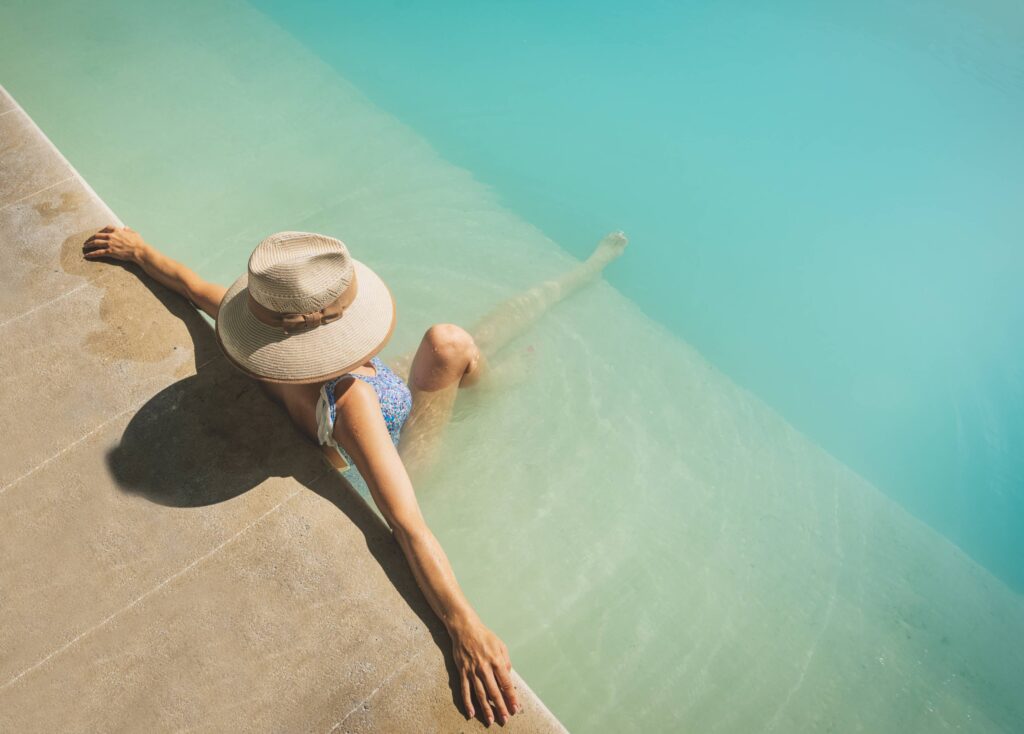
<point x="395" y="404"/>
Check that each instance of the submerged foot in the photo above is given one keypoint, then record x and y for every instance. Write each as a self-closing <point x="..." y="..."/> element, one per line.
<point x="613" y="245"/>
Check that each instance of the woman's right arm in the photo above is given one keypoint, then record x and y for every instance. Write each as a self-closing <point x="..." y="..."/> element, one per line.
<point x="124" y="243"/>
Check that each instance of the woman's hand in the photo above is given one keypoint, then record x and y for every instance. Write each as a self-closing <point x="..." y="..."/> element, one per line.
<point x="485" y="671"/>
<point x="120" y="243"/>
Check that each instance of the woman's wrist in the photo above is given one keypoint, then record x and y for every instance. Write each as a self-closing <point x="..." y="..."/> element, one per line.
<point x="461" y="621"/>
<point x="140" y="253"/>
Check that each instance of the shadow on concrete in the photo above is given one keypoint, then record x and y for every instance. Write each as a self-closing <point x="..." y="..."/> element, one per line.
<point x="215" y="435"/>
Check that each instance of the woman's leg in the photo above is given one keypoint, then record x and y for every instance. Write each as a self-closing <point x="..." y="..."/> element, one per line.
<point x="514" y="316"/>
<point x="449" y="357"/>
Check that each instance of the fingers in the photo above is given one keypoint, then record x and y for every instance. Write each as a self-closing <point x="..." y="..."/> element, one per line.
<point x="496" y="695"/>
<point x="508" y="688"/>
<point x="92" y="244"/>
<point x="467" y="698"/>
<point x="97" y="240"/>
<point x="481" y="697"/>
<point x="98" y="245"/>
<point x="105" y="233"/>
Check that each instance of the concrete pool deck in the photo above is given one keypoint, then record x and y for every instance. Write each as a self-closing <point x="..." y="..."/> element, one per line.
<point x="175" y="556"/>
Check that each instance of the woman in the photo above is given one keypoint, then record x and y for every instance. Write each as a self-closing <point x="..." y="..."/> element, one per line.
<point x="307" y="322"/>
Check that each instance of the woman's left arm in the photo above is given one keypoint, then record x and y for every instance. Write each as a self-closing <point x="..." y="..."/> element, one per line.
<point x="480" y="656"/>
<point x="124" y="243"/>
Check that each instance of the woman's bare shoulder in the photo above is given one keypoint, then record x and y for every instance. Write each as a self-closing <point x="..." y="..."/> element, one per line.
<point x="354" y="397"/>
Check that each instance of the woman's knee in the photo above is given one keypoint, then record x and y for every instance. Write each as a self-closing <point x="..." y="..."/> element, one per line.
<point x="451" y="356"/>
<point x="450" y="344"/>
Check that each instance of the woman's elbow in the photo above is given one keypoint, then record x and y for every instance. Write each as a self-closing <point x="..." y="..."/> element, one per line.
<point x="410" y="531"/>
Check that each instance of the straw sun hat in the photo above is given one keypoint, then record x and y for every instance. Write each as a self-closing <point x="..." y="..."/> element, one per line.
<point x="306" y="311"/>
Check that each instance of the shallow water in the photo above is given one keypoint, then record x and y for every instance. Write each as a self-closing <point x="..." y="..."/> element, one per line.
<point x="660" y="549"/>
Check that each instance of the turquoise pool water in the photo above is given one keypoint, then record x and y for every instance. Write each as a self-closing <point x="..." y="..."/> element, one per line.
<point x="828" y="198"/>
<point x="689" y="513"/>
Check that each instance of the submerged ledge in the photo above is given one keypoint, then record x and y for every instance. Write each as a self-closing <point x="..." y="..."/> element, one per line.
<point x="175" y="555"/>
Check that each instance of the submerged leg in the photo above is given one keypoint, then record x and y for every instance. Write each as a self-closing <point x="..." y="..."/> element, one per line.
<point x="511" y="318"/>
<point x="447" y="358"/>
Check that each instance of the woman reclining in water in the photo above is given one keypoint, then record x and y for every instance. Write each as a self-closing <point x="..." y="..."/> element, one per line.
<point x="307" y="321"/>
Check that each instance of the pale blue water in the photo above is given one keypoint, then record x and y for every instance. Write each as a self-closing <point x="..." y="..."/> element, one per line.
<point x="824" y="203"/>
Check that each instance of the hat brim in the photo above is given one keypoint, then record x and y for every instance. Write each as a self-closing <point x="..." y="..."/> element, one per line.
<point x="267" y="353"/>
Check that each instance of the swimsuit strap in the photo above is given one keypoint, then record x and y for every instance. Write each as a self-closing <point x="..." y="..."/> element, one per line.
<point x="326" y="414"/>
